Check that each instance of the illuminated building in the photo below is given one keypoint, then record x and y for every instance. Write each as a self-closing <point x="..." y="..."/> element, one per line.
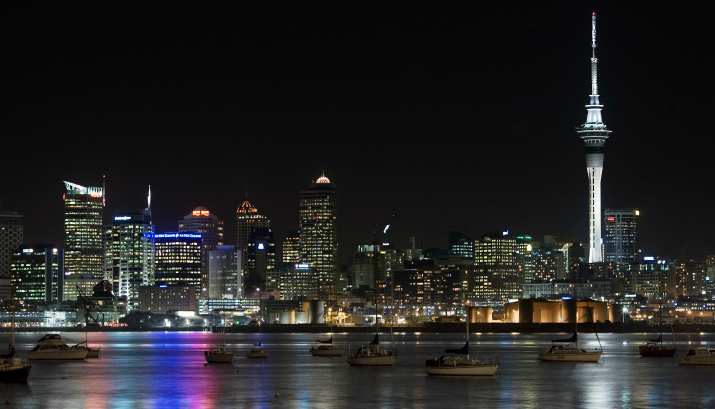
<point x="260" y="259"/>
<point x="691" y="278"/>
<point x="203" y="222"/>
<point x="362" y="266"/>
<point x="178" y="259"/>
<point x="225" y="281"/>
<point x="594" y="133"/>
<point x="85" y="282"/>
<point x="422" y="284"/>
<point x="161" y="299"/>
<point x="571" y="249"/>
<point x="621" y="241"/>
<point x="291" y="248"/>
<point x="297" y="282"/>
<point x="247" y="219"/>
<point x="497" y="271"/>
<point x="460" y="243"/>
<point x="11" y="236"/>
<point x="129" y="260"/>
<point x="38" y="273"/>
<point x="318" y="224"/>
<point x="84" y="250"/>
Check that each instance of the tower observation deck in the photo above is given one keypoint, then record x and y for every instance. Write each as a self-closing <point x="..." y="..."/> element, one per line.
<point x="594" y="133"/>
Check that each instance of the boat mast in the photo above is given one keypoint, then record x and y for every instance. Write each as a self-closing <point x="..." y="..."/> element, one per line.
<point x="467" y="320"/>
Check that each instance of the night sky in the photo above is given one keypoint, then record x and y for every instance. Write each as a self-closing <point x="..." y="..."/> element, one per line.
<point x="448" y="119"/>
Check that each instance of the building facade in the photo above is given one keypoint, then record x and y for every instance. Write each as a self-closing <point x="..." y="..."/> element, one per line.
<point x="225" y="280"/>
<point x="38" y="274"/>
<point x="318" y="225"/>
<point x="291" y="248"/>
<point x="130" y="253"/>
<point x="84" y="247"/>
<point x="11" y="237"/>
<point x="178" y="259"/>
<point x="621" y="240"/>
<point x="202" y="221"/>
<point x="260" y="258"/>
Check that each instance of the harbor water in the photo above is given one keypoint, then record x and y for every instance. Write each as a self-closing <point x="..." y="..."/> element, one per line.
<point x="168" y="370"/>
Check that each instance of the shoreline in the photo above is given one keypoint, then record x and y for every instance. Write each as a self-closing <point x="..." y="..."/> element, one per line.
<point x="617" y="328"/>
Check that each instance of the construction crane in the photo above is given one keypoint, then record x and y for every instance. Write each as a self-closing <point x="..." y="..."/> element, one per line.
<point x="88" y="304"/>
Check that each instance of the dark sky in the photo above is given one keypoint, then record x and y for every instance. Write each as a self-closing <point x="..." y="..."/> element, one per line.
<point x="450" y="119"/>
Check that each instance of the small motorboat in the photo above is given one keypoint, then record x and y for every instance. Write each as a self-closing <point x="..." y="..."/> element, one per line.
<point x="704" y="356"/>
<point x="53" y="347"/>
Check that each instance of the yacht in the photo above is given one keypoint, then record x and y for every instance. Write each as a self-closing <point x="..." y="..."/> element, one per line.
<point x="569" y="353"/>
<point x="219" y="354"/>
<point x="326" y="348"/>
<point x="12" y="369"/>
<point x="52" y="347"/>
<point x="372" y="355"/>
<point x="457" y="366"/>
<point x="704" y="356"/>
<point x="257" y="351"/>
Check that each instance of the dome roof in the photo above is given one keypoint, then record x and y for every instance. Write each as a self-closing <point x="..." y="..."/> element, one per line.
<point x="322" y="179"/>
<point x="246" y="207"/>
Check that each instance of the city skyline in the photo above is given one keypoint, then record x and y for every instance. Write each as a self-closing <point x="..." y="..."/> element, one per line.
<point x="447" y="122"/>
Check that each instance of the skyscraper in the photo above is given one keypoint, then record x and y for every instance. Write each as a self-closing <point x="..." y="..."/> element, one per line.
<point x="178" y="259"/>
<point x="11" y="236"/>
<point x="83" y="230"/>
<point x="594" y="133"/>
<point x="621" y="241"/>
<point x="260" y="259"/>
<point x="247" y="219"/>
<point x="318" y="223"/>
<point x="291" y="248"/>
<point x="38" y="273"/>
<point x="225" y="273"/>
<point x="130" y="254"/>
<point x="203" y="222"/>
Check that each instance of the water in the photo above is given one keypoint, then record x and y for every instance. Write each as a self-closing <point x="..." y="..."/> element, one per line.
<point x="167" y="369"/>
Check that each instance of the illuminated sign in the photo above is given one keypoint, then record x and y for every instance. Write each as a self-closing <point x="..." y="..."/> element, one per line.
<point x="638" y="213"/>
<point x="505" y="233"/>
<point x="122" y="217"/>
<point x="611" y="219"/>
<point x="27" y="250"/>
<point x="177" y="236"/>
<point x="260" y="246"/>
<point x="200" y="213"/>
<point x="162" y="286"/>
<point x="565" y="298"/>
<point x="95" y="194"/>
<point x="648" y="258"/>
<point x="302" y="266"/>
<point x="631" y="295"/>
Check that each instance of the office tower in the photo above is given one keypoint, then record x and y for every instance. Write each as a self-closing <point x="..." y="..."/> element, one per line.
<point x="203" y="222"/>
<point x="691" y="278"/>
<point x="594" y="133"/>
<point x="178" y="259"/>
<point x="423" y="284"/>
<point x="260" y="258"/>
<point x="461" y="244"/>
<point x="291" y="248"/>
<point x="621" y="239"/>
<point x="297" y="282"/>
<point x="129" y="259"/>
<point x="38" y="273"/>
<point x="318" y="224"/>
<point x="362" y="266"/>
<point x="497" y="269"/>
<point x="83" y="230"/>
<point x="11" y="236"/>
<point x="225" y="273"/>
<point x="247" y="219"/>
<point x="168" y="297"/>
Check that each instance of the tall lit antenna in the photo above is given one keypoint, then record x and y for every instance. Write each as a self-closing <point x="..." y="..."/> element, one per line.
<point x="594" y="133"/>
<point x="148" y="200"/>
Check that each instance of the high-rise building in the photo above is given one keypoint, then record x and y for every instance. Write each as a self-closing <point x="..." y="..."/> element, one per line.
<point x="129" y="259"/>
<point x="38" y="273"/>
<point x="247" y="219"/>
<point x="203" y="222"/>
<point x="291" y="248"/>
<point x="84" y="250"/>
<point x="225" y="273"/>
<point x="260" y="259"/>
<point x="297" y="282"/>
<point x="460" y="243"/>
<point x="318" y="224"/>
<point x="178" y="259"/>
<point x="11" y="236"/>
<point x="621" y="242"/>
<point x="497" y="270"/>
<point x="594" y="133"/>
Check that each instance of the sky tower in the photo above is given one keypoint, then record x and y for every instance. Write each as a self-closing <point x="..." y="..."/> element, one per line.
<point x="594" y="133"/>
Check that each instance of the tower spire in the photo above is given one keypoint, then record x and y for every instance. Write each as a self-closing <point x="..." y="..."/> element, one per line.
<point x="594" y="134"/>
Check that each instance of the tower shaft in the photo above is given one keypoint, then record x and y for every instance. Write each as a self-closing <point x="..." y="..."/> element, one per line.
<point x="594" y="134"/>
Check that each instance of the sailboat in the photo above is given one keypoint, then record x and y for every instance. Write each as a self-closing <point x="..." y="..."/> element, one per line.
<point x="11" y="367"/>
<point x="326" y="348"/>
<point x="457" y="366"/>
<point x="257" y="351"/>
<point x="567" y="350"/>
<point x="655" y="348"/>
<point x="219" y="354"/>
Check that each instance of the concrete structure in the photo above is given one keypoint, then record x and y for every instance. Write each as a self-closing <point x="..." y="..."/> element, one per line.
<point x="318" y="224"/>
<point x="594" y="133"/>
<point x="558" y="311"/>
<point x="202" y="221"/>
<point x="84" y="248"/>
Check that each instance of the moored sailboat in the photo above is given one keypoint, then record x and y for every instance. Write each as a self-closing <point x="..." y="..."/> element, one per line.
<point x="258" y="351"/>
<point x="219" y="354"/>
<point x="567" y="349"/>
<point x="326" y="348"/>
<point x="655" y="348"/>
<point x="11" y="367"/>
<point x="457" y="366"/>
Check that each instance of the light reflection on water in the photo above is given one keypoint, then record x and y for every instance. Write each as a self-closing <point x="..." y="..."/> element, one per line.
<point x="167" y="369"/>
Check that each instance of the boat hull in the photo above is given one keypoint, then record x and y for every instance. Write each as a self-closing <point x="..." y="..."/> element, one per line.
<point x="656" y="351"/>
<point x="222" y="358"/>
<point x="699" y="357"/>
<point x="257" y="353"/>
<point x="375" y="360"/>
<point x="58" y="355"/>
<point x="466" y="370"/>
<point x="326" y="351"/>
<point x="15" y="374"/>
<point x="581" y="357"/>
